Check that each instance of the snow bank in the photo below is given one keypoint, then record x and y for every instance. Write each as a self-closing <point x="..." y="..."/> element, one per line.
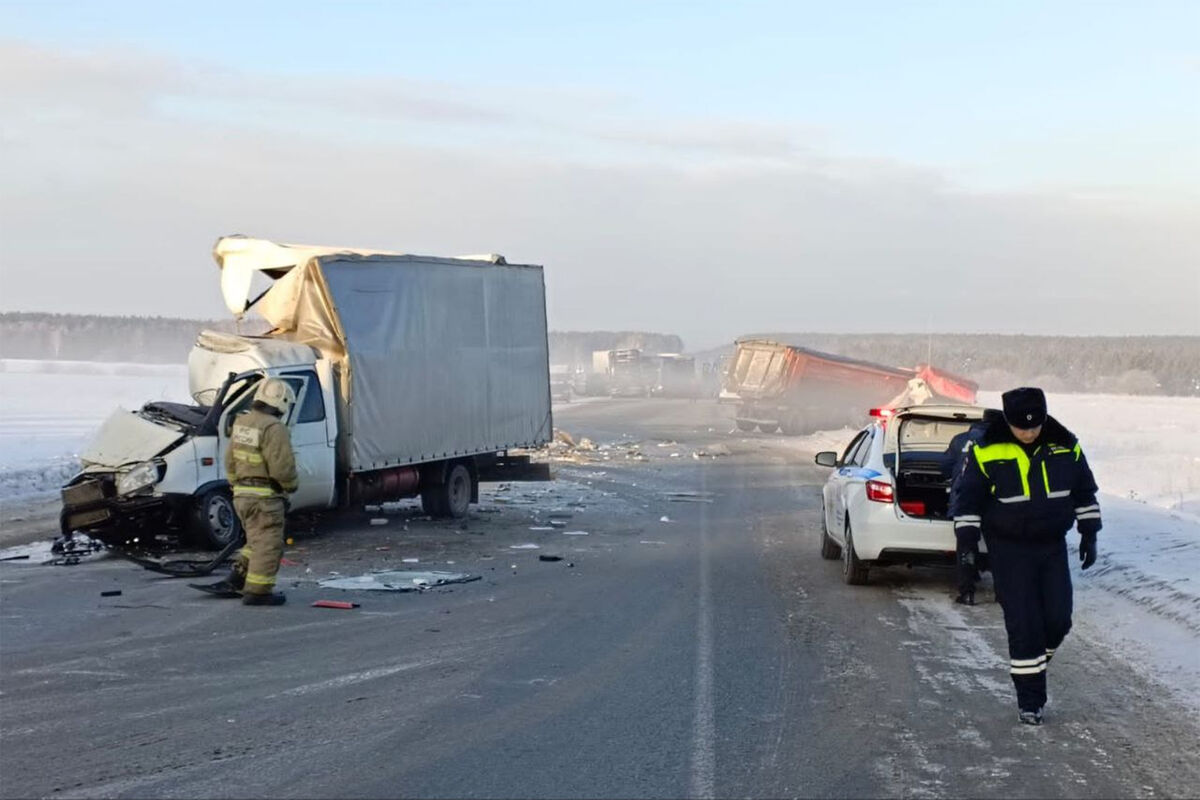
<point x="50" y="409"/>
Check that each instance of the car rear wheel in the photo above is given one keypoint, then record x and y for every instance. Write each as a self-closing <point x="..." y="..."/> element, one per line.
<point x="829" y="548"/>
<point x="854" y="572"/>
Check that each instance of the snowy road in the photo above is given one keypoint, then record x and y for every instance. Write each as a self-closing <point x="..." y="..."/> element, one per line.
<point x="714" y="654"/>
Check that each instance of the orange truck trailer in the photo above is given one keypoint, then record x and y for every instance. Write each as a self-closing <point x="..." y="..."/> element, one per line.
<point x="788" y="388"/>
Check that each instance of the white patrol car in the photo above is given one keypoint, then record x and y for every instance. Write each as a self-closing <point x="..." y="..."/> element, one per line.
<point x="887" y="499"/>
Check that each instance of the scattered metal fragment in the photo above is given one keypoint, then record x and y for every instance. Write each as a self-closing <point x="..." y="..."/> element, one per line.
<point x="545" y="557"/>
<point x="15" y="558"/>
<point x="398" y="581"/>
<point x="111" y="593"/>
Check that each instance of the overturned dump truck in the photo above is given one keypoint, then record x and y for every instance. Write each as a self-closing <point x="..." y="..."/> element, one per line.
<point x="788" y="388"/>
<point x="413" y="375"/>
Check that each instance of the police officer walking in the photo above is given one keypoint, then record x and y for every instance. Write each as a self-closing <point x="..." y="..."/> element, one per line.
<point x="261" y="468"/>
<point x="1023" y="486"/>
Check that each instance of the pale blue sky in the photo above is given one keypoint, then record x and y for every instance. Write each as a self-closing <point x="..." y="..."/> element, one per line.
<point x="999" y="93"/>
<point x="746" y="160"/>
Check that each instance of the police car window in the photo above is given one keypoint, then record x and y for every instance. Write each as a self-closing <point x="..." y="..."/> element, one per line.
<point x="312" y="405"/>
<point x="859" y="457"/>
<point x="852" y="448"/>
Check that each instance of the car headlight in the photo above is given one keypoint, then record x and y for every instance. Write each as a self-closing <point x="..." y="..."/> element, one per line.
<point x="138" y="477"/>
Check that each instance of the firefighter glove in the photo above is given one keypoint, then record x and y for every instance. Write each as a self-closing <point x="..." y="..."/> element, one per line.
<point x="1087" y="550"/>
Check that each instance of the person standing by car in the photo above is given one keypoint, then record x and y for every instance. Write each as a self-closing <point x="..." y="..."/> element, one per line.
<point x="1023" y="485"/>
<point x="261" y="468"/>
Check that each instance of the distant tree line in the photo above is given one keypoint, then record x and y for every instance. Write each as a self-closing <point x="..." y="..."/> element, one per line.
<point x="1167" y="365"/>
<point x="79" y="337"/>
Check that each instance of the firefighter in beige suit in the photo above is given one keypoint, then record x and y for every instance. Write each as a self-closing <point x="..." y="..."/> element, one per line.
<point x="261" y="468"/>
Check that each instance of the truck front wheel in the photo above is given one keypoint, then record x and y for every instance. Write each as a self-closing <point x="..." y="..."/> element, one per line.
<point x="214" y="522"/>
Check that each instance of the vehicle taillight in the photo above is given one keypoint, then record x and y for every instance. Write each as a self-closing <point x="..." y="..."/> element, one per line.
<point x="880" y="492"/>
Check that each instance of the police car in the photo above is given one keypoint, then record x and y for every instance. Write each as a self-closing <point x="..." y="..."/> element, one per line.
<point x="887" y="499"/>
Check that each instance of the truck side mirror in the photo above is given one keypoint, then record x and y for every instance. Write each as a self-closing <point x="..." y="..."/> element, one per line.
<point x="826" y="458"/>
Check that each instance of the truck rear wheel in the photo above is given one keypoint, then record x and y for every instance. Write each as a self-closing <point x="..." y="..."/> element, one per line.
<point x="744" y="425"/>
<point x="768" y="427"/>
<point x="792" y="425"/>
<point x="452" y="497"/>
<point x="214" y="521"/>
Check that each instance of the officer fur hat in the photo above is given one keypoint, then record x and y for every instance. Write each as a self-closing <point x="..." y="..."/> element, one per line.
<point x="1024" y="408"/>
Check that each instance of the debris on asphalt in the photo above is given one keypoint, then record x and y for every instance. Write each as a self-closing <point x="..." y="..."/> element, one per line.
<point x="111" y="593"/>
<point x="664" y="518"/>
<point x="689" y="497"/>
<point x="379" y="521"/>
<point x="287" y="562"/>
<point x="650" y="541"/>
<point x="15" y="558"/>
<point x="526" y="546"/>
<point x="712" y="451"/>
<point x="558" y="523"/>
<point x="398" y="581"/>
<point x="334" y="604"/>
<point x="540" y="528"/>
<point x="410" y="561"/>
<point x="545" y="557"/>
<point x="575" y="533"/>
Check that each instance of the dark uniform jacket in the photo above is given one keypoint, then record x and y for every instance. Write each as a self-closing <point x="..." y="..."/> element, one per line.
<point x="1028" y="492"/>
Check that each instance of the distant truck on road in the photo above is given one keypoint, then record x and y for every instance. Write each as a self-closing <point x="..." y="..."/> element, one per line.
<point x="782" y="387"/>
<point x="413" y="375"/>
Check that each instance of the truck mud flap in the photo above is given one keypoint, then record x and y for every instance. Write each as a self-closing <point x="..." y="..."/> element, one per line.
<point x="513" y="468"/>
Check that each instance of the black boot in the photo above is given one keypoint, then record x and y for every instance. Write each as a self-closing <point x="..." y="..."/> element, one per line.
<point x="272" y="599"/>
<point x="223" y="588"/>
<point x="1030" y="717"/>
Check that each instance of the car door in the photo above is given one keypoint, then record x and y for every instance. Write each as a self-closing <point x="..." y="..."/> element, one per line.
<point x="835" y="501"/>
<point x="312" y="442"/>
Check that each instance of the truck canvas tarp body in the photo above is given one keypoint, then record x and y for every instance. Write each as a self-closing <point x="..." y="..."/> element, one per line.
<point x="436" y="357"/>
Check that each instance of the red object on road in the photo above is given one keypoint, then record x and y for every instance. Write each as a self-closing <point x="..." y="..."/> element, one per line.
<point x="334" y="604"/>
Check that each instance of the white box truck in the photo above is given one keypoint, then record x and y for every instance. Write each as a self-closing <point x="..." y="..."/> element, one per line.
<point x="414" y="375"/>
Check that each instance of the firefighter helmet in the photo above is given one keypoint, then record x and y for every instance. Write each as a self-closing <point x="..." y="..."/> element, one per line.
<point x="276" y="394"/>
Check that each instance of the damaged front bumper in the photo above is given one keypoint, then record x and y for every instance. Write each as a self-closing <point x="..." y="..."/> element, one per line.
<point x="90" y="504"/>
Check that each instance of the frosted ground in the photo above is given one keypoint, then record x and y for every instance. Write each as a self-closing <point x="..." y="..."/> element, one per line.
<point x="1142" y="598"/>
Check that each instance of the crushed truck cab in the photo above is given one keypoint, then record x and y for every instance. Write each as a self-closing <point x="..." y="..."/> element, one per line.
<point x="413" y="375"/>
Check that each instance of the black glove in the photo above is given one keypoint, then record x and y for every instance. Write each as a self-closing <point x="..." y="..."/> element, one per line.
<point x="968" y="573"/>
<point x="1087" y="550"/>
